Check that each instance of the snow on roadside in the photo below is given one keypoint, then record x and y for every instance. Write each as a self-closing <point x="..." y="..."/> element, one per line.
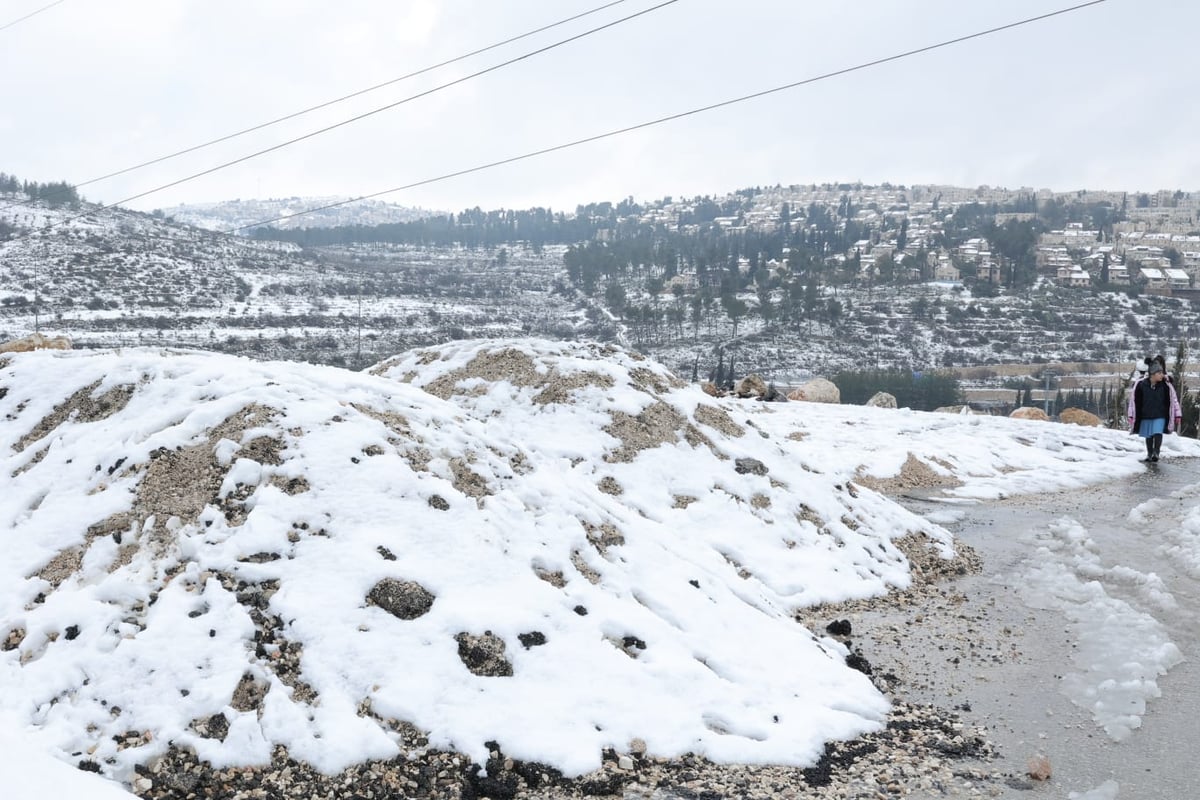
<point x="557" y="547"/>
<point x="1119" y="652"/>
<point x="31" y="771"/>
<point x="1109" y="790"/>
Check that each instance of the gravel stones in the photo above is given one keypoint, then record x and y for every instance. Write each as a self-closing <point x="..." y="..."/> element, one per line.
<point x="914" y="474"/>
<point x="84" y="407"/>
<point x="920" y="753"/>
<point x="655" y="425"/>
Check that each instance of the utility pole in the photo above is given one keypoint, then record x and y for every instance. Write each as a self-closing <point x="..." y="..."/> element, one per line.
<point x="358" y="355"/>
<point x="1047" y="374"/>
<point x="37" y="283"/>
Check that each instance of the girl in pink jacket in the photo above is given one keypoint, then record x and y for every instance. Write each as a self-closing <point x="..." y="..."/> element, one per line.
<point x="1153" y="409"/>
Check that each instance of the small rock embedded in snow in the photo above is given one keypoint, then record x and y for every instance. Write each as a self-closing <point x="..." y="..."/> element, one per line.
<point x="750" y="466"/>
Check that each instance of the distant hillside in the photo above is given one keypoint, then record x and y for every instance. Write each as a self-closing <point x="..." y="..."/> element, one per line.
<point x="229" y="214"/>
<point x="112" y="277"/>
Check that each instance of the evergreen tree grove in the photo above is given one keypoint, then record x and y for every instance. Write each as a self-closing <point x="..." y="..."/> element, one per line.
<point x="1187" y="401"/>
<point x="924" y="391"/>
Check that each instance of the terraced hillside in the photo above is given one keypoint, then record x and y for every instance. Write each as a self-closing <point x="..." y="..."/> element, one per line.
<point x="116" y="278"/>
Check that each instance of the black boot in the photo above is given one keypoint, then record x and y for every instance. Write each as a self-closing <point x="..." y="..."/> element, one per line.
<point x="1157" y="440"/>
<point x="1149" y="449"/>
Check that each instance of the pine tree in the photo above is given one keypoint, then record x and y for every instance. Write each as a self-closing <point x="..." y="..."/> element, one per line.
<point x="1187" y="401"/>
<point x="1117" y="403"/>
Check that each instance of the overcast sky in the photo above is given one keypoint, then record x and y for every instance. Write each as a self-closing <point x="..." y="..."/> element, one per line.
<point x="1104" y="97"/>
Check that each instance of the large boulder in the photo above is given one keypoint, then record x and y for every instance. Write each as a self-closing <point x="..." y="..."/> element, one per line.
<point x="1030" y="412"/>
<point x="751" y="386"/>
<point x="818" y="390"/>
<point x="711" y="389"/>
<point x="1077" y="416"/>
<point x="882" y="400"/>
<point x="36" y="341"/>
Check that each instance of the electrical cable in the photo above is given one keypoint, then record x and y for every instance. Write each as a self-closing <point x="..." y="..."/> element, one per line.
<point x="335" y="101"/>
<point x="8" y="25"/>
<point x="672" y="117"/>
<point x="370" y="113"/>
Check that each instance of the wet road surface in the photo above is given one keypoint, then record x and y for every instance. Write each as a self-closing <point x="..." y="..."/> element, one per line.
<point x="1080" y="639"/>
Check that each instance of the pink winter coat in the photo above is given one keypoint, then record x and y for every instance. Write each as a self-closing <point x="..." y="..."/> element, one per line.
<point x="1131" y="410"/>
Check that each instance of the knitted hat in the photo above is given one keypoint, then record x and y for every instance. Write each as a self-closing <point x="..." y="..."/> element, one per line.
<point x="1155" y="367"/>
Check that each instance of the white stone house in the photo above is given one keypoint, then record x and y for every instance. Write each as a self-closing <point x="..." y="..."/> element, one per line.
<point x="1074" y="276"/>
<point x="1178" y="278"/>
<point x="1154" y="277"/>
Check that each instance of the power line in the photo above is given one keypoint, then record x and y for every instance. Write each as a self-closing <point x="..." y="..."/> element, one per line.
<point x="8" y="25"/>
<point x="371" y="113"/>
<point x="345" y="97"/>
<point x="672" y="117"/>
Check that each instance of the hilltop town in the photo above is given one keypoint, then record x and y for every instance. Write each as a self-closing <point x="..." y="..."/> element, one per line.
<point x="1082" y="238"/>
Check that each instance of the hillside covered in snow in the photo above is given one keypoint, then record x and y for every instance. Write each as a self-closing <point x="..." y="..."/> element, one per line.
<point x="232" y="214"/>
<point x="115" y="278"/>
<point x="551" y="551"/>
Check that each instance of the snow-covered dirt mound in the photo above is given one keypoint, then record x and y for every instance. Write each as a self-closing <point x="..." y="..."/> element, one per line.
<point x="555" y="548"/>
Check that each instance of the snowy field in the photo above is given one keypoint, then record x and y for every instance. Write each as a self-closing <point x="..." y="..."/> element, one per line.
<point x="560" y="548"/>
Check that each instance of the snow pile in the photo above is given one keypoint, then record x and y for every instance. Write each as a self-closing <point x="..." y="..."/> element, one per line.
<point x="556" y="547"/>
<point x="30" y="771"/>
<point x="1109" y="790"/>
<point x="1182" y="539"/>
<point x="1119" y="651"/>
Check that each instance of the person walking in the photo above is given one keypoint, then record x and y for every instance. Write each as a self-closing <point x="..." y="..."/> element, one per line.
<point x="1162" y="362"/>
<point x="1153" y="409"/>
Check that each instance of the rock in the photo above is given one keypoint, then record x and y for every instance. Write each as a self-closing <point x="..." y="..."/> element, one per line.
<point x="603" y="783"/>
<point x="1039" y="768"/>
<point x="882" y="400"/>
<point x="403" y="599"/>
<point x="857" y="661"/>
<point x="1029" y="412"/>
<point x="637" y="746"/>
<point x="248" y="694"/>
<point x="750" y="466"/>
<point x="36" y="341"/>
<point x="839" y="627"/>
<point x="625" y="763"/>
<point x="484" y="655"/>
<point x="531" y="639"/>
<point x="818" y="390"/>
<point x="751" y="386"/>
<point x="773" y="395"/>
<point x="1077" y="416"/>
<point x="214" y="727"/>
<point x="710" y="389"/>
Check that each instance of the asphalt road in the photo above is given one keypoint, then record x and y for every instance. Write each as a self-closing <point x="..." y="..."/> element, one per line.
<point x="1079" y="641"/>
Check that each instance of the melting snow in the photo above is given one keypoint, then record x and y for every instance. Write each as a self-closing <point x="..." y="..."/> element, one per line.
<point x="557" y="547"/>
